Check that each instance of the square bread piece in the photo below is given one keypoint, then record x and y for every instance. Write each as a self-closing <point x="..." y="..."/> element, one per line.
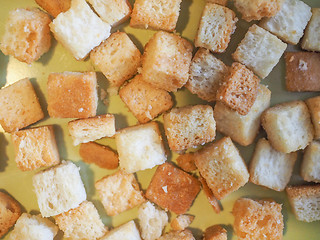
<point x="205" y="75"/>
<point x="305" y="202"/>
<point x="82" y="222"/>
<point x="54" y="7"/>
<point x="216" y="26"/>
<point x="140" y="147"/>
<point x="270" y="168"/>
<point x="72" y="95"/>
<point x="166" y="61"/>
<point x="178" y="235"/>
<point x="310" y="167"/>
<point x="215" y="232"/>
<point x="314" y="109"/>
<point x="19" y="106"/>
<point x="144" y="100"/>
<point x="35" y="148"/>
<point x="288" y="126"/>
<point x="311" y="38"/>
<point x="118" y="58"/>
<point x="259" y="50"/>
<point x="26" y="35"/>
<point x="257" y="219"/>
<point x="221" y="165"/>
<point x="289" y="23"/>
<point x="127" y="231"/>
<point x="59" y="189"/>
<point x="79" y="29"/>
<point x="242" y="128"/>
<point x="189" y="126"/>
<point x="302" y="71"/>
<point x="155" y="14"/>
<point x="119" y="192"/>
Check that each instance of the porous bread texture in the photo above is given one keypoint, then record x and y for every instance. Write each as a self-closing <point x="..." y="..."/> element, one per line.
<point x="189" y="126"/>
<point x="289" y="23"/>
<point x="259" y="50"/>
<point x="314" y="110"/>
<point x="305" y="202"/>
<point x="205" y="75"/>
<point x="59" y="189"/>
<point x="27" y="34"/>
<point x="144" y="100"/>
<point x="82" y="222"/>
<point x="288" y="126"/>
<point x="221" y="165"/>
<point x="155" y="14"/>
<point x="35" y="148"/>
<point x="166" y="61"/>
<point x="178" y="235"/>
<point x="119" y="192"/>
<point x="311" y="38"/>
<point x="221" y="2"/>
<point x="33" y="227"/>
<point x="271" y="168"/>
<point x="54" y="7"/>
<point x="310" y="167"/>
<point x="181" y="222"/>
<point x="216" y="26"/>
<point x="257" y="219"/>
<point x="19" y="106"/>
<point x="215" y="232"/>
<point x="127" y="231"/>
<point x="186" y="162"/>
<point x="140" y="147"/>
<point x="79" y="29"/>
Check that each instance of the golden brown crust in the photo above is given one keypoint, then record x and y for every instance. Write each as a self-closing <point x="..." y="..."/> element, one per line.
<point x="181" y="222"/>
<point x="178" y="235"/>
<point x="54" y="7"/>
<point x="303" y="190"/>
<point x="186" y="162"/>
<point x="215" y="232"/>
<point x="210" y="196"/>
<point x="314" y="109"/>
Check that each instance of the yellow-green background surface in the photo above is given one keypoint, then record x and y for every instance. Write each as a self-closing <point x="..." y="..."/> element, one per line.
<point x="58" y="59"/>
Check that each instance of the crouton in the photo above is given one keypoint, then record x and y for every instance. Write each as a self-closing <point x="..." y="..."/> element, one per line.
<point x="210" y="196"/>
<point x="186" y="162"/>
<point x="310" y="167"/>
<point x="311" y="39"/>
<point x="215" y="232"/>
<point x="314" y="109"/>
<point x="54" y="7"/>
<point x="181" y="222"/>
<point x="127" y="231"/>
<point x="178" y="235"/>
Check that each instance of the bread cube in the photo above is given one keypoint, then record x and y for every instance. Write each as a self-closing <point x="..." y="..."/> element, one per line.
<point x="186" y="162"/>
<point x="205" y="75"/>
<point x="210" y="196"/>
<point x="144" y="100"/>
<point x="54" y="7"/>
<point x="271" y="168"/>
<point x="310" y="167"/>
<point x="127" y="231"/>
<point x="119" y="192"/>
<point x="311" y="38"/>
<point x="82" y="222"/>
<point x="260" y="51"/>
<point x="172" y="189"/>
<point x="59" y="189"/>
<point x="140" y="147"/>
<point x="222" y="167"/>
<point x="178" y="235"/>
<point x="189" y="126"/>
<point x="166" y="61"/>
<point x="288" y="126"/>
<point x="27" y="34"/>
<point x="221" y="2"/>
<point x="181" y="222"/>
<point x="79" y="29"/>
<point x="314" y="109"/>
<point x="35" y="148"/>
<point x="216" y="26"/>
<point x="305" y="202"/>
<point x="19" y="106"/>
<point x="155" y="14"/>
<point x="289" y="23"/>
<point x="257" y="219"/>
<point x="72" y="95"/>
<point x="215" y="232"/>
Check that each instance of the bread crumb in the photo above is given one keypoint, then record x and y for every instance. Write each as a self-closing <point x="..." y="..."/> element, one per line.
<point x="303" y="66"/>
<point x="165" y="189"/>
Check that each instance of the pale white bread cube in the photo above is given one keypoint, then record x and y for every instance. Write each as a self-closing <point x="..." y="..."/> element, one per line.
<point x="290" y="22"/>
<point x="260" y="51"/>
<point x="310" y="167"/>
<point x="311" y="38"/>
<point x="127" y="231"/>
<point x="59" y="189"/>
<point x="314" y="109"/>
<point x="79" y="29"/>
<point x="271" y="168"/>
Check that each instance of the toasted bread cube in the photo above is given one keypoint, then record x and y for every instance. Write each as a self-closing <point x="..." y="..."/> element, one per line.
<point x="305" y="202"/>
<point x="140" y="147"/>
<point x="215" y="232"/>
<point x="314" y="109"/>
<point x="260" y="51"/>
<point x="82" y="222"/>
<point x="181" y="222"/>
<point x="166" y="61"/>
<point x="288" y="126"/>
<point x="178" y="235"/>
<point x="189" y="126"/>
<point x="186" y="162"/>
<point x="72" y="95"/>
<point x="127" y="231"/>
<point x="239" y="89"/>
<point x="221" y="2"/>
<point x="155" y="14"/>
<point x="216" y="26"/>
<point x="302" y="71"/>
<point x="144" y="100"/>
<point x="172" y="189"/>
<point x="271" y="168"/>
<point x="118" y="58"/>
<point x="79" y="29"/>
<point x="289" y="23"/>
<point x="35" y="148"/>
<point x="205" y="75"/>
<point x="310" y="168"/>
<point x="54" y="7"/>
<point x="59" y="189"/>
<point x="311" y="38"/>
<point x="210" y="196"/>
<point x="19" y="106"/>
<point x="257" y="219"/>
<point x="222" y="167"/>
